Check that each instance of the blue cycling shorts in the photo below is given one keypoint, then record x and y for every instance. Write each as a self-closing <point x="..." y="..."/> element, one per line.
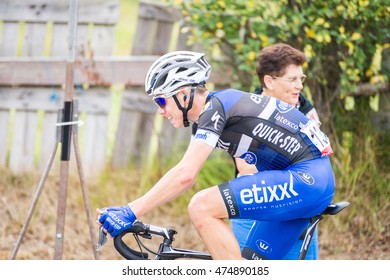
<point x="241" y="228"/>
<point x="284" y="200"/>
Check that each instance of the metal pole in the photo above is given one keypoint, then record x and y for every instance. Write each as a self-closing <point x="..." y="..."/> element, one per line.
<point x="83" y="182"/>
<point x="66" y="131"/>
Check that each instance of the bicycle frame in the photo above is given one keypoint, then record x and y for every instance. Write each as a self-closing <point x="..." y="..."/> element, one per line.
<point x="167" y="252"/>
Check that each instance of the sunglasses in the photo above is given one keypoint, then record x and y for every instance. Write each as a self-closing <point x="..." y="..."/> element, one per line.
<point x="160" y="101"/>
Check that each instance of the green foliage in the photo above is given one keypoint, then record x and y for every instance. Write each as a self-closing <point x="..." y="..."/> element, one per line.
<point x="340" y="38"/>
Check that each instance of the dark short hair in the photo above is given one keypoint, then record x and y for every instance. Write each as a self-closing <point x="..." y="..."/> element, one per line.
<point x="273" y="60"/>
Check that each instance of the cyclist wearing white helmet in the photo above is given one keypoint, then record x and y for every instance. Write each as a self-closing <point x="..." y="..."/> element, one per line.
<point x="294" y="179"/>
<point x="174" y="70"/>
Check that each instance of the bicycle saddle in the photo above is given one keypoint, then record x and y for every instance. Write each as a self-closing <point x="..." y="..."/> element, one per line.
<point x="335" y="207"/>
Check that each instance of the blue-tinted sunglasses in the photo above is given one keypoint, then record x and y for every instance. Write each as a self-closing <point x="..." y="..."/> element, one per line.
<point x="160" y="101"/>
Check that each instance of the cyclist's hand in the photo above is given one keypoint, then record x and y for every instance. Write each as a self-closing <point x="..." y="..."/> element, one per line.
<point x="116" y="219"/>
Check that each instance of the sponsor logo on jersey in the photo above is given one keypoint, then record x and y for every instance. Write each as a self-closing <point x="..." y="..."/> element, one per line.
<point x="285" y="122"/>
<point x="282" y="106"/>
<point x="230" y="202"/>
<point x="274" y="136"/>
<point x="268" y="194"/>
<point x="263" y="246"/>
<point x="256" y="98"/>
<point x="202" y="136"/>
<point x="306" y="177"/>
<point x="249" y="157"/>
<point x="215" y="118"/>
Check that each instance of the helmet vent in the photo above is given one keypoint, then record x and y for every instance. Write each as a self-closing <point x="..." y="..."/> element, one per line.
<point x="181" y="69"/>
<point x="161" y="81"/>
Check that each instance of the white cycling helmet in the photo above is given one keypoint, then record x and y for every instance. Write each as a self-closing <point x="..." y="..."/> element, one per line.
<point x="176" y="69"/>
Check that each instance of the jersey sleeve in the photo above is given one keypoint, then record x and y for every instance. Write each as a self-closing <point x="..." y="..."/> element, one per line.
<point x="211" y="123"/>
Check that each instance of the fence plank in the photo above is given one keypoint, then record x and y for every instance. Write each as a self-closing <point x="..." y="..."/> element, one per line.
<point x="95" y="103"/>
<point x="58" y="46"/>
<point x="34" y="39"/>
<point x="26" y="102"/>
<point x="4" y="129"/>
<point x="104" y="71"/>
<point x="23" y="141"/>
<point x="99" y="11"/>
<point x="134" y="128"/>
<point x="48" y="139"/>
<point x="9" y="41"/>
<point x="154" y="32"/>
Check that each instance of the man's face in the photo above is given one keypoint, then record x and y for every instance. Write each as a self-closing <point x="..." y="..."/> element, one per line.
<point x="168" y="108"/>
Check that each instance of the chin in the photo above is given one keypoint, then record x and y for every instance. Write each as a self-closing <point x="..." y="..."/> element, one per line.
<point x="177" y="125"/>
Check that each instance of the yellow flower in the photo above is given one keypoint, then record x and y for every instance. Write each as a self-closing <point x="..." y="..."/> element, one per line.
<point x="310" y="32"/>
<point x="342" y="29"/>
<point x="363" y="3"/>
<point x="328" y="39"/>
<point x="208" y="34"/>
<point x="264" y="40"/>
<point x="219" y="24"/>
<point x="252" y="55"/>
<point x="308" y="50"/>
<point x="319" y="38"/>
<point x="319" y="21"/>
<point x="221" y="3"/>
<point x="343" y="64"/>
<point x="355" y="36"/>
<point x="350" y="47"/>
<point x="177" y="2"/>
<point x="253" y="35"/>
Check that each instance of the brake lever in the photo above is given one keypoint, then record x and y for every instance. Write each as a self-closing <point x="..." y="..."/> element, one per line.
<point x="102" y="239"/>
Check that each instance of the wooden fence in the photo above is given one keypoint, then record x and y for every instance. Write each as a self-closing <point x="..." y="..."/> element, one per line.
<point x="33" y="50"/>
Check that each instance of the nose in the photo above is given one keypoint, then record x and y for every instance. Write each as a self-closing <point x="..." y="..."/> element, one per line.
<point x="160" y="110"/>
<point x="298" y="84"/>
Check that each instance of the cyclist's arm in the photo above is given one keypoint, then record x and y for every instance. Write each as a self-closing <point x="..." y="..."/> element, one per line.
<point x="244" y="168"/>
<point x="176" y="181"/>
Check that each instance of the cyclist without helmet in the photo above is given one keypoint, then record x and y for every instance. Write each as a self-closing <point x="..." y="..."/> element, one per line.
<point x="294" y="180"/>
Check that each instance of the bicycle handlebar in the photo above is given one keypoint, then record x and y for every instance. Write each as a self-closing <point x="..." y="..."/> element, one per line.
<point x="144" y="230"/>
